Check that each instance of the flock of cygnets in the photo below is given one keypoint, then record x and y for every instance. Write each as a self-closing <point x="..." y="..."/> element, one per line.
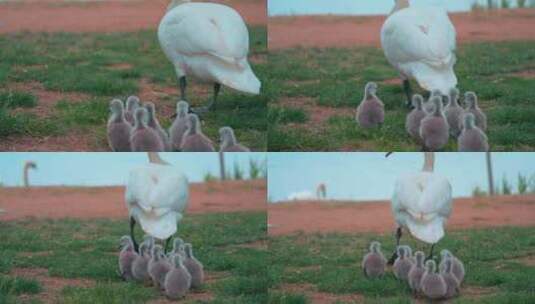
<point x="423" y="279"/>
<point x="174" y="273"/>
<point x="431" y="123"/>
<point x="137" y="129"/>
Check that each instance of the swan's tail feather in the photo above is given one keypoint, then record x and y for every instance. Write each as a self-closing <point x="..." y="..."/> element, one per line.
<point x="243" y="80"/>
<point x="429" y="232"/>
<point x="431" y="78"/>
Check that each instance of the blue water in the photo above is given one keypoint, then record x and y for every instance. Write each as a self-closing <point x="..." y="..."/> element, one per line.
<point x="359" y="7"/>
<point x="371" y="176"/>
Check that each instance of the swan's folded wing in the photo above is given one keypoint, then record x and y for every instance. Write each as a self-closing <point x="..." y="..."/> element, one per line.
<point x="437" y="196"/>
<point x="428" y="38"/>
<point x="223" y="35"/>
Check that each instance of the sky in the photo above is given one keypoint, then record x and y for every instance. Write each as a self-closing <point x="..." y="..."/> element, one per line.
<point x="356" y="7"/>
<point x="371" y="176"/>
<point x="102" y="169"/>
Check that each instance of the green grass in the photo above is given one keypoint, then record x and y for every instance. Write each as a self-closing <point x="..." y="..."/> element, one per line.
<point x="335" y="78"/>
<point x="75" y="249"/>
<point x="17" y="99"/>
<point x="84" y="64"/>
<point x="331" y="263"/>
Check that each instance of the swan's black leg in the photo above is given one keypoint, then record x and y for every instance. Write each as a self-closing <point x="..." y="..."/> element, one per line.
<point x="183" y="83"/>
<point x="395" y="254"/>
<point x="430" y="256"/>
<point x="211" y="104"/>
<point x="167" y="244"/>
<point x="408" y="92"/>
<point x="132" y="224"/>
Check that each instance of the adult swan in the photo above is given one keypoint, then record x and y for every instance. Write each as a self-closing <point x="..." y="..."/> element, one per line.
<point x="156" y="197"/>
<point x="420" y="43"/>
<point x="421" y="204"/>
<point x="209" y="41"/>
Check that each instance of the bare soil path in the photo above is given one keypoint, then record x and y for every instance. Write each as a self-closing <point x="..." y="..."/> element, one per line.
<point x="108" y="202"/>
<point x="334" y="31"/>
<point x="376" y="217"/>
<point x="102" y="16"/>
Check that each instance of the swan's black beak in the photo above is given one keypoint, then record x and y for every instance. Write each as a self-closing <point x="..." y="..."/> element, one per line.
<point x="174" y="116"/>
<point x="388" y="154"/>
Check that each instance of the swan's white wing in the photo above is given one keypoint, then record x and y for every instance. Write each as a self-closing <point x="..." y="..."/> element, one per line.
<point x="422" y="203"/>
<point x="205" y="28"/>
<point x="156" y="196"/>
<point x="420" y="42"/>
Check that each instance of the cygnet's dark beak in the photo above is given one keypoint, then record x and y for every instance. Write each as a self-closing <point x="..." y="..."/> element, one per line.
<point x="174" y="116"/>
<point x="388" y="154"/>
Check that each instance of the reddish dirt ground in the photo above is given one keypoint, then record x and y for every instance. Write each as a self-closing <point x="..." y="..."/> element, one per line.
<point x="331" y="31"/>
<point x="376" y="217"/>
<point x="108" y="202"/>
<point x="104" y="16"/>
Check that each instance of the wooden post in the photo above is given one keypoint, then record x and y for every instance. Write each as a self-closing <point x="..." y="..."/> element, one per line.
<point x="222" y="166"/>
<point x="489" y="174"/>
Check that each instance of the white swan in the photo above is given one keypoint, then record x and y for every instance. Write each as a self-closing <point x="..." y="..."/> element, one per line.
<point x="156" y="197"/>
<point x="422" y="203"/>
<point x="209" y="41"/>
<point x="420" y="43"/>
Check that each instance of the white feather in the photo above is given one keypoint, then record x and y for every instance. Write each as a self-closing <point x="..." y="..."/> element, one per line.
<point x="156" y="196"/>
<point x="422" y="204"/>
<point x="210" y="42"/>
<point x="420" y="43"/>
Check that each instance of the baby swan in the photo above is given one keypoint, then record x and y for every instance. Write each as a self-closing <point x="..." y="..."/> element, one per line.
<point x="143" y="138"/>
<point x="178" y="280"/>
<point x="126" y="258"/>
<point x="140" y="265"/>
<point x="453" y="112"/>
<point x="119" y="129"/>
<point x="414" y="118"/>
<point x="473" y="107"/>
<point x="229" y="142"/>
<point x="154" y="124"/>
<point x="451" y="281"/>
<point x="403" y="263"/>
<point x="472" y="139"/>
<point x="433" y="285"/>
<point x="417" y="271"/>
<point x="132" y="103"/>
<point x="194" y="267"/>
<point x="158" y="267"/>
<point x="179" y="126"/>
<point x="371" y="111"/>
<point x="194" y="140"/>
<point x="374" y="263"/>
<point x="457" y="265"/>
<point x="434" y="128"/>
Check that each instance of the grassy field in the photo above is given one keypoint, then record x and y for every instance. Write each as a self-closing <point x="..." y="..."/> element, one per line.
<point x="88" y="70"/>
<point x="500" y="266"/>
<point x="80" y="257"/>
<point x="319" y="90"/>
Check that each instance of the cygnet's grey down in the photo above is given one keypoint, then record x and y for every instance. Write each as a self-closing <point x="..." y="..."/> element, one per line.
<point x="433" y="285"/>
<point x="374" y="262"/>
<point x="454" y="113"/>
<point x="434" y="128"/>
<point x="194" y="140"/>
<point x="229" y="142"/>
<point x="143" y="138"/>
<point x="178" y="280"/>
<point x="126" y="258"/>
<point x="472" y="138"/>
<point x="179" y="126"/>
<point x="414" y="118"/>
<point x="194" y="267"/>
<point x="371" y="111"/>
<point x="118" y="129"/>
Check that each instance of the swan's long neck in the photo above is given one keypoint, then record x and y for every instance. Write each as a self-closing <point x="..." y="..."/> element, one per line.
<point x="154" y="158"/>
<point x="400" y="4"/>
<point x="175" y="3"/>
<point x="429" y="162"/>
<point x="27" y="168"/>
